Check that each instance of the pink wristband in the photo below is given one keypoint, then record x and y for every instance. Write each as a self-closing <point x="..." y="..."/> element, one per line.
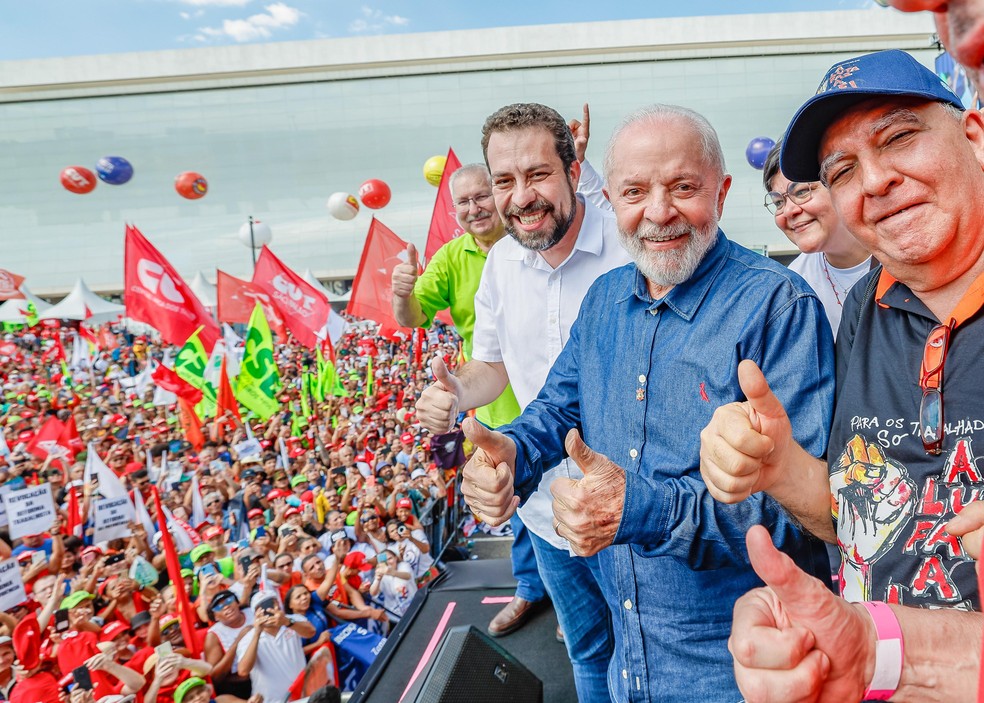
<point x="889" y="650"/>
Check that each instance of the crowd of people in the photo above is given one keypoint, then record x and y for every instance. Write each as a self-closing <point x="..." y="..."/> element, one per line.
<point x="663" y="416"/>
<point x="292" y="534"/>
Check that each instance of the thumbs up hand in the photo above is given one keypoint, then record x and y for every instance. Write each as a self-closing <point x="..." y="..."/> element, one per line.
<point x="587" y="511"/>
<point x="795" y="640"/>
<point x="488" y="477"/>
<point x="744" y="449"/>
<point x="437" y="407"/>
<point x="405" y="274"/>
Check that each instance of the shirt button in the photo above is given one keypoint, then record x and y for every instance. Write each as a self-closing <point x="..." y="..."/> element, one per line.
<point x="627" y="604"/>
<point x="633" y="453"/>
<point x="625" y="674"/>
<point x="642" y="378"/>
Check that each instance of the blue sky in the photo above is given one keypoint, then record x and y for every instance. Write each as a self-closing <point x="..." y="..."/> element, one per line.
<point x="34" y="29"/>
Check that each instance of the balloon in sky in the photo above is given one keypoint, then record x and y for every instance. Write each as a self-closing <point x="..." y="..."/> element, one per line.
<point x="114" y="170"/>
<point x="343" y="206"/>
<point x="434" y="169"/>
<point x="191" y="185"/>
<point x="78" y="179"/>
<point x="757" y="151"/>
<point x="374" y="194"/>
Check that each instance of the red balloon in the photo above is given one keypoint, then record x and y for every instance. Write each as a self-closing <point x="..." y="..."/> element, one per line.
<point x="191" y="185"/>
<point x="374" y="194"/>
<point x="78" y="179"/>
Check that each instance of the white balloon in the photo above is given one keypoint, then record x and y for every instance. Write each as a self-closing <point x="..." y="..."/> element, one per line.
<point x="343" y="206"/>
<point x="261" y="234"/>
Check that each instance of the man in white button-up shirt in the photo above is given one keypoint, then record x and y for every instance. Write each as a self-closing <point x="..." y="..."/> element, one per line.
<point x="530" y="295"/>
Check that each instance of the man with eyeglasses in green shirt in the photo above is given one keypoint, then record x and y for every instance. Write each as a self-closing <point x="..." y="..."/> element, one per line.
<point x="450" y="282"/>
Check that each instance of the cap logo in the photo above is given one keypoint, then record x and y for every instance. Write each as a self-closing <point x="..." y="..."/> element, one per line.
<point x="838" y="79"/>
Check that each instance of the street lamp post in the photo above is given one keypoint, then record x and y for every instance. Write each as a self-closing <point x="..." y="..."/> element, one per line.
<point x="253" y="234"/>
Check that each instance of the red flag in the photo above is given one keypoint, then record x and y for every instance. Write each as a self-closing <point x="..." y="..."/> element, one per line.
<point x="170" y="381"/>
<point x="190" y="423"/>
<point x="69" y="438"/>
<point x="157" y="295"/>
<point x="444" y="223"/>
<point x="237" y="298"/>
<point x="304" y="308"/>
<point x="86" y="334"/>
<point x="107" y="340"/>
<point x="74" y="513"/>
<point x="372" y="291"/>
<point x="56" y="352"/>
<point x="47" y="441"/>
<point x="9" y="285"/>
<point x="185" y="612"/>
<point x="225" y="401"/>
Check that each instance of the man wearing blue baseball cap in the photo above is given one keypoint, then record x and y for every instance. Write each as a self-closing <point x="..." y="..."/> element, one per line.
<point x="904" y="165"/>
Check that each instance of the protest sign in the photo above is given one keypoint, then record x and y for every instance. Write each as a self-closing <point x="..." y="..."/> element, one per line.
<point x="112" y="518"/>
<point x="11" y="586"/>
<point x="30" y="511"/>
<point x="248" y="447"/>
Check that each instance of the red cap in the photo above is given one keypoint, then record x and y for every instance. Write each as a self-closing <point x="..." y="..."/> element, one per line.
<point x="357" y="560"/>
<point x="404" y="503"/>
<point x="406" y="438"/>
<point x="276" y="493"/>
<point x="25" y="436"/>
<point x="112" y="631"/>
<point x="291" y="511"/>
<point x="211" y="531"/>
<point x="27" y="642"/>
<point x="132" y="468"/>
<point x="255" y="512"/>
<point x="296" y="452"/>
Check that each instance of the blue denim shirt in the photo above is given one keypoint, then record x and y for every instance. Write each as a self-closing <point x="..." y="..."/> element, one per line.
<point x="641" y="378"/>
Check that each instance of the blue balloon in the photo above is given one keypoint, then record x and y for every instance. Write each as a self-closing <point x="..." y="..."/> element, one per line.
<point x="114" y="170"/>
<point x="757" y="151"/>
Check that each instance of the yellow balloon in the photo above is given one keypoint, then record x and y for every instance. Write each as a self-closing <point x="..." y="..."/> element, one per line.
<point x="434" y="169"/>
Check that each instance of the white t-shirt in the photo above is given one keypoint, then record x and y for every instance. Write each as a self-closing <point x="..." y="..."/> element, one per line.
<point x="527" y="338"/>
<point x="815" y="270"/>
<point x="279" y="661"/>
<point x="396" y="593"/>
<point x="227" y="635"/>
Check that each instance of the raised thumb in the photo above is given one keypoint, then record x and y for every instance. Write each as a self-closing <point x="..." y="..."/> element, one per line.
<point x="480" y="435"/>
<point x="756" y="389"/>
<point x="412" y="254"/>
<point x="586" y="458"/>
<point x="442" y="375"/>
<point x="794" y="587"/>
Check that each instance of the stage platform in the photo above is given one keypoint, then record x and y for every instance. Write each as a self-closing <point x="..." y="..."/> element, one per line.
<point x="469" y="593"/>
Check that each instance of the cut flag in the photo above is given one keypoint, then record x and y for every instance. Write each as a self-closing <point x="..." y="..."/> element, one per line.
<point x="158" y="296"/>
<point x="237" y="298"/>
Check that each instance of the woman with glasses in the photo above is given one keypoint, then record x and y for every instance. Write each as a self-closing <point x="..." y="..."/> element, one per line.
<point x="832" y="260"/>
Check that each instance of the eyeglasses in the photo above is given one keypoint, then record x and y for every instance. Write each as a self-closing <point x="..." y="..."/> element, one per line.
<point x="931" y="382"/>
<point x="480" y="201"/>
<point x="799" y="193"/>
<point x="368" y="519"/>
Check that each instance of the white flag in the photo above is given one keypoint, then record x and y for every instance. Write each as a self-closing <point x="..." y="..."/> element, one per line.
<point x="142" y="515"/>
<point x="197" y="504"/>
<point x="109" y="485"/>
<point x="182" y="542"/>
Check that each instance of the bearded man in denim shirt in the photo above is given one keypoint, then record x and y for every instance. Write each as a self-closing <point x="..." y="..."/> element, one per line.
<point x="653" y="353"/>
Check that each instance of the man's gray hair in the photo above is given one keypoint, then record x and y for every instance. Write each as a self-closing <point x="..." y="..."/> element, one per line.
<point x="470" y="169"/>
<point x="657" y="115"/>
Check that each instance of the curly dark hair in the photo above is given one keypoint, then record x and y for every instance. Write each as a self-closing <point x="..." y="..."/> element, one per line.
<point x="531" y="115"/>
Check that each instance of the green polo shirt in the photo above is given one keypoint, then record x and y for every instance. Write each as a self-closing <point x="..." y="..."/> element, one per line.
<point x="450" y="281"/>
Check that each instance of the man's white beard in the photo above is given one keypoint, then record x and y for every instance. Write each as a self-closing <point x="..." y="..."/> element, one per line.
<point x="673" y="266"/>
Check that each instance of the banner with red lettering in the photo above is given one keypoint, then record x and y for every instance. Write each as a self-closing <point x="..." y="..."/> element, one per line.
<point x="444" y="224"/>
<point x="237" y="298"/>
<point x="156" y="295"/>
<point x="305" y="310"/>
<point x="372" y="290"/>
<point x="9" y="285"/>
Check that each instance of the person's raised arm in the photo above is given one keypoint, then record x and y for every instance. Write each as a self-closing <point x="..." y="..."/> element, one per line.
<point x="749" y="447"/>
<point x="477" y="383"/>
<point x="406" y="307"/>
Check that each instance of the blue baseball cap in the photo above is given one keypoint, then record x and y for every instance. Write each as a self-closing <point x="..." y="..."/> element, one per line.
<point x="847" y="83"/>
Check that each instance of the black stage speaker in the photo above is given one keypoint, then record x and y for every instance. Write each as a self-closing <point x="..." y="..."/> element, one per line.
<point x="469" y="666"/>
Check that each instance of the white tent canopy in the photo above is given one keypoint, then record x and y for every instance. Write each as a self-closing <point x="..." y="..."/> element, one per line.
<point x="310" y="278"/>
<point x="83" y="304"/>
<point x="11" y="310"/>
<point x="205" y="292"/>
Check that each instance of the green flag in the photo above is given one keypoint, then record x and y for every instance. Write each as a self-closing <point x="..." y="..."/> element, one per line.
<point x="190" y="365"/>
<point x="305" y="386"/>
<point x="258" y="377"/>
<point x="318" y="383"/>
